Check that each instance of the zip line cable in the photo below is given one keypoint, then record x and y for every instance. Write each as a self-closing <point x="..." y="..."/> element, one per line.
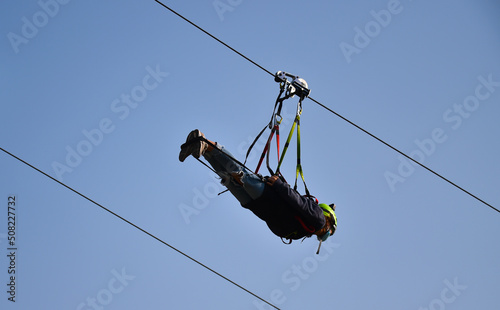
<point x="214" y="37"/>
<point x="395" y="149"/>
<point x="335" y="113"/>
<point x="186" y="255"/>
<point x="137" y="227"/>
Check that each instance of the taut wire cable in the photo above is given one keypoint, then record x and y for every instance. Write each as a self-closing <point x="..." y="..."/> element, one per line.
<point x="137" y="227"/>
<point x="335" y="113"/>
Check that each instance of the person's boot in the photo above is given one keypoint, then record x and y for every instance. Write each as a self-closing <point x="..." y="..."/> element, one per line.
<point x="195" y="145"/>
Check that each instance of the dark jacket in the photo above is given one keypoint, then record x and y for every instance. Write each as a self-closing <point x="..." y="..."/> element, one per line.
<point x="281" y="207"/>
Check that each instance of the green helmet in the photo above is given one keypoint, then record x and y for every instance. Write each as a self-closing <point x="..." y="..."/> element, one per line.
<point x="328" y="211"/>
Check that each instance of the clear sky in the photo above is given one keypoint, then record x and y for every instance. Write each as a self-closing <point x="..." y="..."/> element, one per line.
<point x="101" y="94"/>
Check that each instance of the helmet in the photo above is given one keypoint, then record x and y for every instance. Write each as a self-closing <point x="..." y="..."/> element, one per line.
<point x="328" y="211"/>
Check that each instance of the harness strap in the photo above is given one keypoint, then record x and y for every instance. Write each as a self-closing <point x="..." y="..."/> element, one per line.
<point x="296" y="123"/>
<point x="274" y="126"/>
<point x="287" y="143"/>
<point x="253" y="143"/>
<point x="308" y="229"/>
<point x="299" y="165"/>
<point x="265" y="151"/>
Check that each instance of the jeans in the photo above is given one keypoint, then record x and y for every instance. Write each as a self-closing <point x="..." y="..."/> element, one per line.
<point x="221" y="160"/>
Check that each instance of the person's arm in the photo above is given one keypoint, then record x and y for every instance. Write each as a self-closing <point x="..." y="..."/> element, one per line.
<point x="310" y="212"/>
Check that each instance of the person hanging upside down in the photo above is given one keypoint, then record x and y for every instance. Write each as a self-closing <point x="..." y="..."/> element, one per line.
<point x="287" y="214"/>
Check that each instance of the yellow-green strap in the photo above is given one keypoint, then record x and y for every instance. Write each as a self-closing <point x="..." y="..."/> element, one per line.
<point x="287" y="143"/>
<point x="299" y="165"/>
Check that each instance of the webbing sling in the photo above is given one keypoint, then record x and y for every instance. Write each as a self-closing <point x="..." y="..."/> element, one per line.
<point x="296" y="123"/>
<point x="274" y="126"/>
<point x="265" y="152"/>
<point x="297" y="87"/>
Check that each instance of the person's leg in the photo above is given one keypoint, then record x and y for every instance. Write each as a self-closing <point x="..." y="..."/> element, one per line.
<point x="241" y="182"/>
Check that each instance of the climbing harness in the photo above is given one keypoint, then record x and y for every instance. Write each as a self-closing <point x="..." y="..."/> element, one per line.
<point x="309" y="231"/>
<point x="290" y="86"/>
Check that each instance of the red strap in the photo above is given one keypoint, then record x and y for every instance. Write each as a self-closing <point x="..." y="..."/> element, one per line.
<point x="308" y="229"/>
<point x="265" y="151"/>
<point x="276" y="129"/>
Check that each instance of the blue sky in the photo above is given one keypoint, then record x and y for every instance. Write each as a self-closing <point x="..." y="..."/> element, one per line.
<point x="101" y="94"/>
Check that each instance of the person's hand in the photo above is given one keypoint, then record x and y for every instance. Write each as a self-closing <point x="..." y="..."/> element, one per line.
<point x="271" y="180"/>
<point x="237" y="177"/>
